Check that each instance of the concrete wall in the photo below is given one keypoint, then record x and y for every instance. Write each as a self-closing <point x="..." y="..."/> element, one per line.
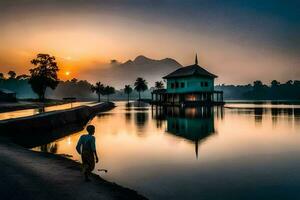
<point x="49" y="126"/>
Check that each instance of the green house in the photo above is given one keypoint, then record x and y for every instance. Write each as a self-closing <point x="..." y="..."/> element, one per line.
<point x="190" y="85"/>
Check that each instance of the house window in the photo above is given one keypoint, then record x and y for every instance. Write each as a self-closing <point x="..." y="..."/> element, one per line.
<point x="206" y="84"/>
<point x="201" y="84"/>
<point x="182" y="84"/>
<point x="172" y="85"/>
<point x="177" y="85"/>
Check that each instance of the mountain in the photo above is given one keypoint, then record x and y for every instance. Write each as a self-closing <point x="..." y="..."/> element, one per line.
<point x="119" y="74"/>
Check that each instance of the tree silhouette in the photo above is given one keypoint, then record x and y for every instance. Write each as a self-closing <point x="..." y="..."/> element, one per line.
<point x="140" y="85"/>
<point x="74" y="80"/>
<point x="108" y="90"/>
<point x="99" y="89"/>
<point x="44" y="75"/>
<point x="12" y="74"/>
<point x="275" y="84"/>
<point x="289" y="82"/>
<point x="128" y="91"/>
<point x="23" y="77"/>
<point x="257" y="84"/>
<point x="159" y="85"/>
<point x="1" y="76"/>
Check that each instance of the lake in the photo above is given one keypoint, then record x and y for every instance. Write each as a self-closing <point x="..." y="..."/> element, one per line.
<point x="36" y="111"/>
<point x="241" y="151"/>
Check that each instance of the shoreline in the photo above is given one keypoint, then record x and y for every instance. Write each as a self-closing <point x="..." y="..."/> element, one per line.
<point x="25" y="104"/>
<point x="48" y="124"/>
<point x="25" y="170"/>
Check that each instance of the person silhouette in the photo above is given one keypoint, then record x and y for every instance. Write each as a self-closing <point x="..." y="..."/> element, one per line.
<point x="87" y="149"/>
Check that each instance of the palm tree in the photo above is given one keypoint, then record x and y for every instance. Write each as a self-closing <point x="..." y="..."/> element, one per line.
<point x="99" y="89"/>
<point x="140" y="85"/>
<point x="128" y="91"/>
<point x="159" y="85"/>
<point x="108" y="90"/>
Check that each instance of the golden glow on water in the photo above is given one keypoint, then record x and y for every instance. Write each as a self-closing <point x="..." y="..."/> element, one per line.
<point x="30" y="112"/>
<point x="142" y="152"/>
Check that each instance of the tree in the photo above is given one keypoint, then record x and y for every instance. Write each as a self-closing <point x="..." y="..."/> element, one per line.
<point x="44" y="75"/>
<point x="289" y="82"/>
<point x="140" y="85"/>
<point x="128" y="91"/>
<point x="12" y="74"/>
<point x="99" y="89"/>
<point x="159" y="85"/>
<point x="275" y="84"/>
<point x="108" y="90"/>
<point x="74" y="80"/>
<point x="257" y="84"/>
<point x="297" y="83"/>
<point x="1" y="76"/>
<point x="22" y="77"/>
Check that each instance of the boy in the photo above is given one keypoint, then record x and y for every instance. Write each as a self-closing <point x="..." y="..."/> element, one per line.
<point x="87" y="149"/>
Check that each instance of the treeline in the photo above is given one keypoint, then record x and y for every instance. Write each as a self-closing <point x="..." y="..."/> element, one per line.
<point x="18" y="84"/>
<point x="43" y="82"/>
<point x="70" y="88"/>
<point x="80" y="89"/>
<point x="289" y="90"/>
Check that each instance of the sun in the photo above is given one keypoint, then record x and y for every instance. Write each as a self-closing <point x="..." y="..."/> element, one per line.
<point x="67" y="73"/>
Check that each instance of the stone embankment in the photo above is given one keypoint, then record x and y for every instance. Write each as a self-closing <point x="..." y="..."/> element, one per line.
<point x="46" y="127"/>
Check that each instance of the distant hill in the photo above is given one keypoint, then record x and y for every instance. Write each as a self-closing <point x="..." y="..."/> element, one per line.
<point x="119" y="74"/>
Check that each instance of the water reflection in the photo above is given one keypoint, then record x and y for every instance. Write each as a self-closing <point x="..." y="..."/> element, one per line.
<point x="193" y="124"/>
<point x="141" y="119"/>
<point x="35" y="111"/>
<point x="51" y="148"/>
<point x="258" y="114"/>
<point x="244" y="152"/>
<point x="41" y="110"/>
<point x="297" y="116"/>
<point x="288" y="114"/>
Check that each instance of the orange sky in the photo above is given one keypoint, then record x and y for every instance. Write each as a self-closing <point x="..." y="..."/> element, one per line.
<point x="87" y="36"/>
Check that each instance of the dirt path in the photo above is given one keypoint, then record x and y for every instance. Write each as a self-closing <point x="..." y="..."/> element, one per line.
<point x="25" y="174"/>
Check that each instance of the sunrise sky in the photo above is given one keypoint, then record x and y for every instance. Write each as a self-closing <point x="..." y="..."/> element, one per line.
<point x="240" y="40"/>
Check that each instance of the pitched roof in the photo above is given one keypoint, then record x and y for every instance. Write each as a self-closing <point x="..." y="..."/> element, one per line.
<point x="190" y="71"/>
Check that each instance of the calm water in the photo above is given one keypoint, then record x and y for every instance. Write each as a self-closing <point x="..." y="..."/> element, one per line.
<point x="239" y="152"/>
<point x="30" y="112"/>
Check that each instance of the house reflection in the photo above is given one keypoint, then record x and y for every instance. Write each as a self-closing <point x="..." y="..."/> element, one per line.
<point x="193" y="124"/>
